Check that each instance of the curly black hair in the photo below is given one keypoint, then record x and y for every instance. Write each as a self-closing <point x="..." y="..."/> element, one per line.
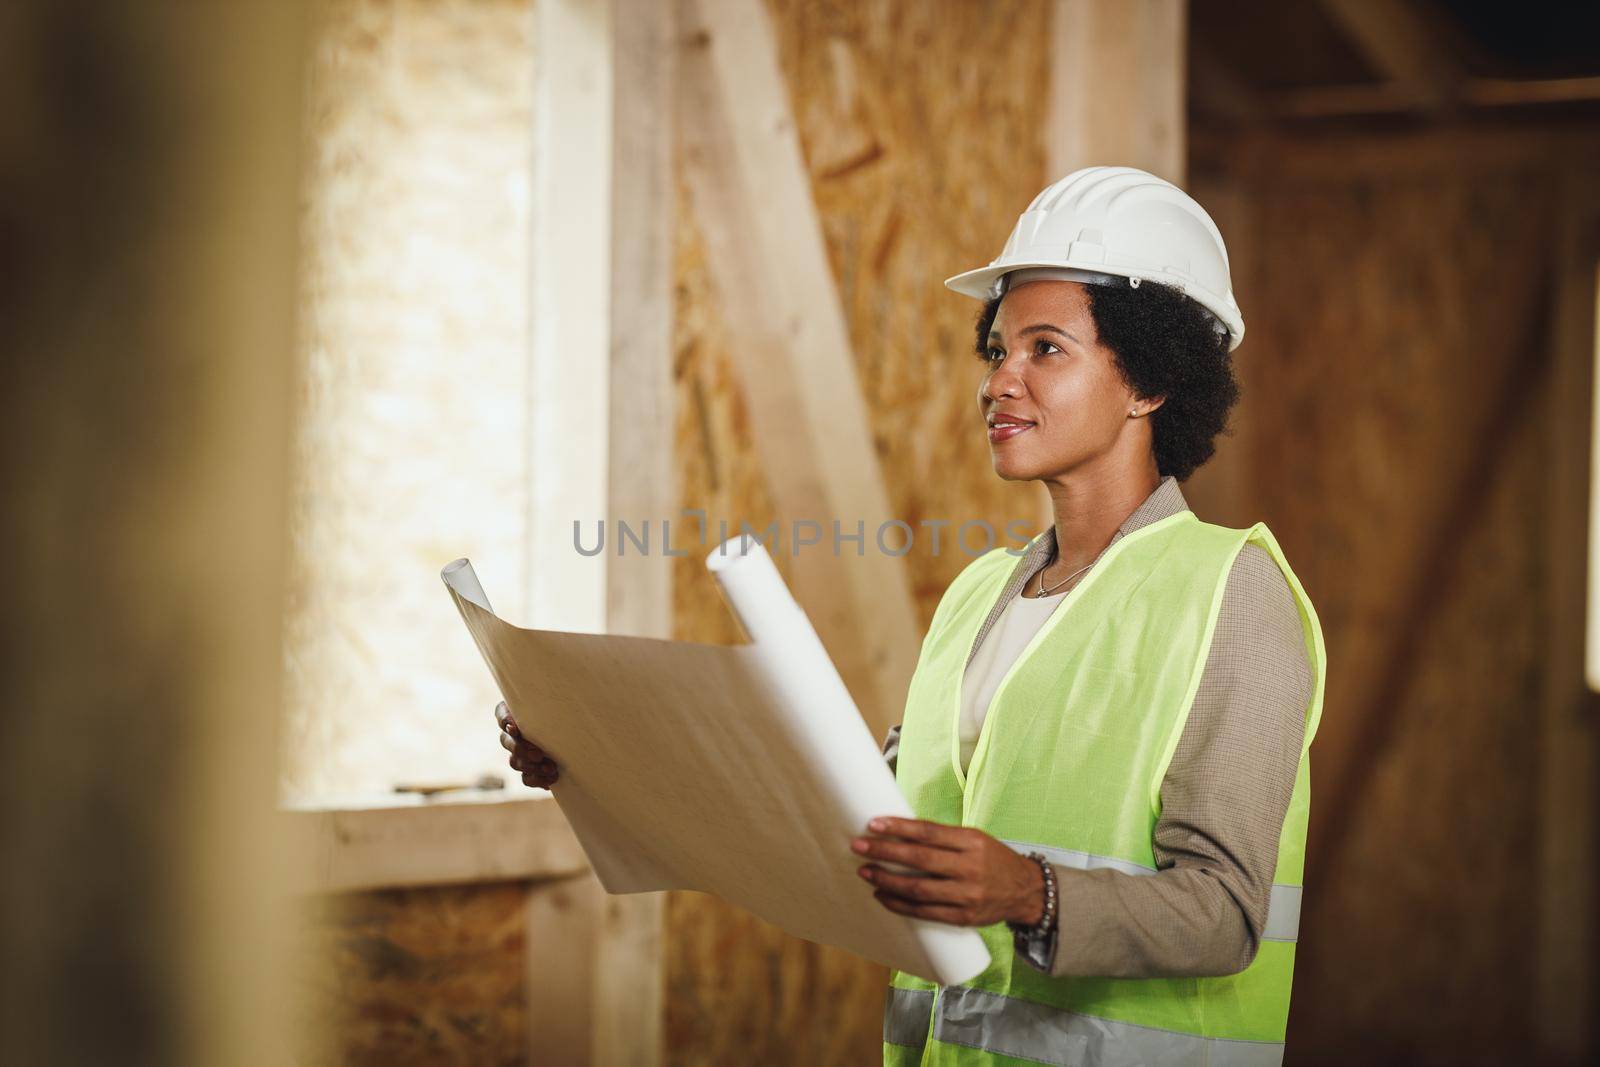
<point x="1165" y="344"/>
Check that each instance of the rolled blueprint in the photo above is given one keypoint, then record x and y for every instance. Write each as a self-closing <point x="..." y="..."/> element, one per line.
<point x="460" y="577"/>
<point x="741" y="771"/>
<point x="796" y="669"/>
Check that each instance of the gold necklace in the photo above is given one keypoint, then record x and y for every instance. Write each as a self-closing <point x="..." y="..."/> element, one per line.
<point x="1053" y="556"/>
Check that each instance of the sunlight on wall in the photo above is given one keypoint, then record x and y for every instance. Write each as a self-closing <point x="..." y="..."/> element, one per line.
<point x="413" y="406"/>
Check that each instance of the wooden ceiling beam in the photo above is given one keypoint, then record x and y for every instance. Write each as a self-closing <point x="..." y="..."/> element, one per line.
<point x="1503" y="92"/>
<point x="1335" y="101"/>
<point x="1407" y="46"/>
<point x="1377" y="98"/>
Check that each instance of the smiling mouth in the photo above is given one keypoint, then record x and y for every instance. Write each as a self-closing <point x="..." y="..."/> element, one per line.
<point x="1007" y="429"/>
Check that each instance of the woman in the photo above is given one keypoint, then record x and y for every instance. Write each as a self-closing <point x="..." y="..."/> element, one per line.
<point x="1105" y="740"/>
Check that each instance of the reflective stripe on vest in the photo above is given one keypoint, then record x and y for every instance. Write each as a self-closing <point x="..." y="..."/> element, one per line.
<point x="905" y="1016"/>
<point x="1021" y="1028"/>
<point x="1283" y="911"/>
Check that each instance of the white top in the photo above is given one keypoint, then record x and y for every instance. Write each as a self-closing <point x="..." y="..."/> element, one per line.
<point x="1006" y="639"/>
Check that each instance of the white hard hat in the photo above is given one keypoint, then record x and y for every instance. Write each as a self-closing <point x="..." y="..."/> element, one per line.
<point x="1104" y="225"/>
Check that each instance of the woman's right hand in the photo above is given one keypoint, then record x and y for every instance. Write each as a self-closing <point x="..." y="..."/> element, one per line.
<point x="538" y="770"/>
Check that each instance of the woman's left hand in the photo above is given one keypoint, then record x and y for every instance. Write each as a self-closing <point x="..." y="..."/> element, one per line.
<point x="973" y="879"/>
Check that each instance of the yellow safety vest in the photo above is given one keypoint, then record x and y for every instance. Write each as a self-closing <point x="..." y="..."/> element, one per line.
<point x="1069" y="763"/>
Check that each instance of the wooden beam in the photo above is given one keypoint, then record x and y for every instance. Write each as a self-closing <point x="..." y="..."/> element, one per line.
<point x="630" y="968"/>
<point x="642" y="472"/>
<point x="1117" y="81"/>
<point x="752" y="199"/>
<point x="1336" y="157"/>
<point x="152" y="209"/>
<point x="602" y="344"/>
<point x="340" y="850"/>
<point x="1389" y="98"/>
<point x="1411" y="51"/>
<point x="562" y="972"/>
<point x="569" y="401"/>
<point x="1569" y="730"/>
<point x="1506" y="92"/>
<point x="571" y="311"/>
<point x="629" y="1022"/>
<point x="1336" y="101"/>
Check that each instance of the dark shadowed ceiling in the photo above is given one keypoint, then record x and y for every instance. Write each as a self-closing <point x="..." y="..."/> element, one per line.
<point x="1309" y="61"/>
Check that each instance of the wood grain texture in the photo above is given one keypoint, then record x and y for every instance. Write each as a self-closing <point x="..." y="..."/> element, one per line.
<point x="641" y="473"/>
<point x="902" y="208"/>
<point x="741" y="991"/>
<point x="422" y="976"/>
<point x="1118" y="86"/>
<point x="521" y="836"/>
<point x="1386" y="308"/>
<point x="765" y="254"/>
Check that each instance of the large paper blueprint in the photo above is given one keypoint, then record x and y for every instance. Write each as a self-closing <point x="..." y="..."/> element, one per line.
<point x="742" y="771"/>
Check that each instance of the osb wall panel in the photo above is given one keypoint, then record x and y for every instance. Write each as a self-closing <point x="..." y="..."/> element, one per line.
<point x="422" y="976"/>
<point x="415" y="346"/>
<point x="920" y="128"/>
<point x="1384" y="314"/>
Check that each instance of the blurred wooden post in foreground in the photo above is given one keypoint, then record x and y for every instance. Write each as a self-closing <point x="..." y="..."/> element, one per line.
<point x="150" y="173"/>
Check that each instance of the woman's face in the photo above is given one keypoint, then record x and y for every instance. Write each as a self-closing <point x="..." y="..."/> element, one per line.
<point x="1048" y="370"/>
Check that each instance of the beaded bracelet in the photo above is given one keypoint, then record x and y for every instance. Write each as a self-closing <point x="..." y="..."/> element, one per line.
<point x="1048" y="920"/>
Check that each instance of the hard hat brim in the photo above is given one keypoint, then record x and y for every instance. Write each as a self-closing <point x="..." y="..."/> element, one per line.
<point x="980" y="284"/>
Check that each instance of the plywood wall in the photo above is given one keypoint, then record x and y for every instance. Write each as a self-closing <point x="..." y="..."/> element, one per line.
<point x="1395" y="374"/>
<point x="421" y="976"/>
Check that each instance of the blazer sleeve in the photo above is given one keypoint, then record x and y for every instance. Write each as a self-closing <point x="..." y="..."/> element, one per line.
<point x="1223" y="802"/>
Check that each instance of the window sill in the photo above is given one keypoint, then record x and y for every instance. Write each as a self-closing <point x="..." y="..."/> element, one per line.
<point x="405" y="842"/>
